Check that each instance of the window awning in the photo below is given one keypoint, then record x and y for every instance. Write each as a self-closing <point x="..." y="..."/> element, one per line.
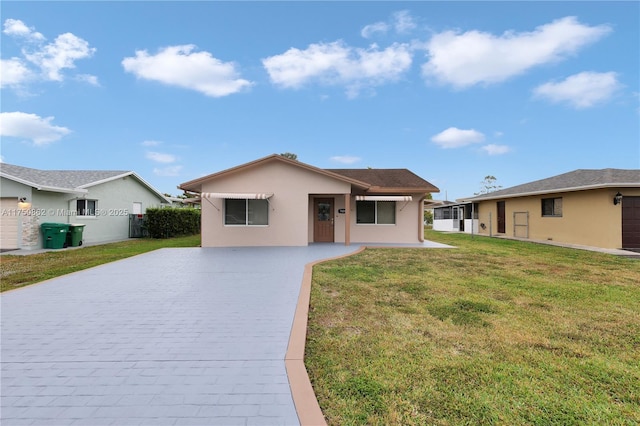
<point x="384" y="198"/>
<point x="237" y="195"/>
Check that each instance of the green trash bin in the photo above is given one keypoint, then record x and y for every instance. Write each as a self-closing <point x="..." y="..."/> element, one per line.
<point x="74" y="237"/>
<point x="55" y="235"/>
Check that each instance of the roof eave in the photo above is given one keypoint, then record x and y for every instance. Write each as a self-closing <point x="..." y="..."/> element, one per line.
<point x="489" y="197"/>
<point x="43" y="187"/>
<point x="401" y="190"/>
<point x="62" y="190"/>
<point x="109" y="179"/>
<point x="195" y="185"/>
<point x="126" y="174"/>
<point x="19" y="180"/>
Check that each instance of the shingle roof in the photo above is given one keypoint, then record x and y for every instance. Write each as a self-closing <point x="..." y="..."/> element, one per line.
<point x="576" y="180"/>
<point x="70" y="179"/>
<point x="388" y="178"/>
<point x="366" y="180"/>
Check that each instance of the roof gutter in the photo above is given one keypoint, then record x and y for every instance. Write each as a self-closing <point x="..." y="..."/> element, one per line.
<point x="489" y="197"/>
<point x="62" y="190"/>
<point x="45" y="188"/>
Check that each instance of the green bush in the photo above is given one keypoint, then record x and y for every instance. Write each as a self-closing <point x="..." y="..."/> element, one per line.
<point x="169" y="222"/>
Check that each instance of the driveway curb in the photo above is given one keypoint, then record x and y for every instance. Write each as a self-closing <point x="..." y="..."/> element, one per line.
<point x="304" y="397"/>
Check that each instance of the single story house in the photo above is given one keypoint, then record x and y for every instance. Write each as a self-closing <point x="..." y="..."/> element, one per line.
<point x="277" y="201"/>
<point x="456" y="217"/>
<point x="598" y="208"/>
<point x="99" y="199"/>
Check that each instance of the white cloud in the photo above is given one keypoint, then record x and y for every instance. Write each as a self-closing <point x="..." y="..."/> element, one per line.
<point x="151" y="143"/>
<point x="168" y="171"/>
<point x="369" y="30"/>
<point x="346" y="159"/>
<point x="17" y="28"/>
<point x="62" y="53"/>
<point x="582" y="90"/>
<point x="49" y="59"/>
<point x="338" y="64"/>
<point x="88" y="78"/>
<point x="30" y="126"/>
<point x="403" y="22"/>
<point x="160" y="157"/>
<point x="13" y="72"/>
<point x="474" y="57"/>
<point x="181" y="66"/>
<point x="493" y="149"/>
<point x="457" y="138"/>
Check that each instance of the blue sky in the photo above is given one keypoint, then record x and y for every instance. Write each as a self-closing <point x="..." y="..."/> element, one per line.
<point x="453" y="91"/>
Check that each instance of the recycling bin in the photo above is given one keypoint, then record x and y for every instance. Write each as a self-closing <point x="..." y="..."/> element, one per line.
<point x="55" y="235"/>
<point x="74" y="237"/>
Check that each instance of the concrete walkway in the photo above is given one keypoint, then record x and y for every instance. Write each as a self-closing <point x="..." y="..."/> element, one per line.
<point x="173" y="337"/>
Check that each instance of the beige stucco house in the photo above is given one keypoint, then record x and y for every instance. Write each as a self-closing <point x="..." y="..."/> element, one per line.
<point x="599" y="208"/>
<point x="276" y="201"/>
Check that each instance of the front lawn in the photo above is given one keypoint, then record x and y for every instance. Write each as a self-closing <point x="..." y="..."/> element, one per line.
<point x="492" y="332"/>
<point x="18" y="271"/>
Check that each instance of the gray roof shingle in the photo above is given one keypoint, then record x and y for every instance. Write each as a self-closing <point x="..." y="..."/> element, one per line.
<point x="576" y="180"/>
<point x="69" y="179"/>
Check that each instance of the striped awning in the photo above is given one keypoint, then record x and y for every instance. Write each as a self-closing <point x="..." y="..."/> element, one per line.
<point x="384" y="198"/>
<point x="237" y="195"/>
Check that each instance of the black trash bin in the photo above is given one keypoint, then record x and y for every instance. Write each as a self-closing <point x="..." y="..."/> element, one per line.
<point x="74" y="237"/>
<point x="55" y="235"/>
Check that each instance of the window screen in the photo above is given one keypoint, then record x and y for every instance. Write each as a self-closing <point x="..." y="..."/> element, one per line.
<point x="86" y="207"/>
<point x="246" y="212"/>
<point x="376" y="212"/>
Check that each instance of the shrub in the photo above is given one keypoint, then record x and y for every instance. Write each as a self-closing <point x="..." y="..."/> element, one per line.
<point x="169" y="223"/>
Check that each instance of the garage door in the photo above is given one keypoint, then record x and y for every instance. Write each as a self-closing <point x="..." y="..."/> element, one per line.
<point x="631" y="222"/>
<point x="8" y="224"/>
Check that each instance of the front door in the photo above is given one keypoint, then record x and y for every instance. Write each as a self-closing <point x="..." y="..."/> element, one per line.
<point x="501" y="218"/>
<point x="323" y="220"/>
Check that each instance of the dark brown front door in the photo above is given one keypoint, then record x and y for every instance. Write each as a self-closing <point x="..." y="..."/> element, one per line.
<point x="631" y="222"/>
<point x="501" y="218"/>
<point x="323" y="220"/>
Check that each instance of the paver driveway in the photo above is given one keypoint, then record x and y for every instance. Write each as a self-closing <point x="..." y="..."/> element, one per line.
<point x="175" y="336"/>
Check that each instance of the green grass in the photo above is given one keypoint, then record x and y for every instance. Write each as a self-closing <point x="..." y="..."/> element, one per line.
<point x="18" y="271"/>
<point x="492" y="332"/>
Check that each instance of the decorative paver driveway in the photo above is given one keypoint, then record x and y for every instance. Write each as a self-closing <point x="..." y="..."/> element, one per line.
<point x="172" y="337"/>
<point x="176" y="336"/>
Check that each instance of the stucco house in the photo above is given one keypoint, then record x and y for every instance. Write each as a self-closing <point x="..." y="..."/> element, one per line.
<point x="598" y="208"/>
<point x="102" y="200"/>
<point x="277" y="201"/>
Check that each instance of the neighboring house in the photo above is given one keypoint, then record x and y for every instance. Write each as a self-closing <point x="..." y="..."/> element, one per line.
<point x="599" y="208"/>
<point x="101" y="200"/>
<point x="456" y="217"/>
<point x="277" y="201"/>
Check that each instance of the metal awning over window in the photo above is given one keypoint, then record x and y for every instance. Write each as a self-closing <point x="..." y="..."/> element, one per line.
<point x="237" y="195"/>
<point x="384" y="198"/>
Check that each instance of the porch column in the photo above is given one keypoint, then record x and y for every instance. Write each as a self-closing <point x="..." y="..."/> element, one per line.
<point x="421" y="220"/>
<point x="347" y="219"/>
